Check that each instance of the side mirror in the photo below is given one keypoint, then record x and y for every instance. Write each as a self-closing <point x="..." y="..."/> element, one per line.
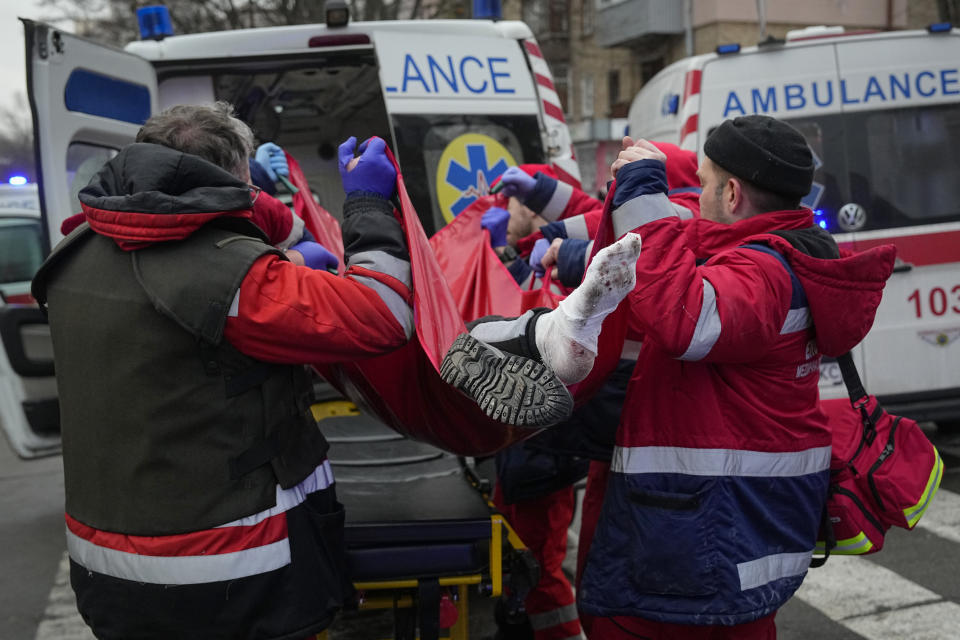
<point x="26" y="339"/>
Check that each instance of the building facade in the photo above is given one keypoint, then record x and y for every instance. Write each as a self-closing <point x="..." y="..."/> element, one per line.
<point x="602" y="51"/>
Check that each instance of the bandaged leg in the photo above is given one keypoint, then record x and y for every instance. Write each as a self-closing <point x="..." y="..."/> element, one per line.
<point x="566" y="337"/>
<point x="515" y="369"/>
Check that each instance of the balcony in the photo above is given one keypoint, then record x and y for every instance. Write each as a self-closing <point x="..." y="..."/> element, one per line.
<point x="631" y="22"/>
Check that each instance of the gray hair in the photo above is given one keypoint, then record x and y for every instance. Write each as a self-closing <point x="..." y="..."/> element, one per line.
<point x="210" y="131"/>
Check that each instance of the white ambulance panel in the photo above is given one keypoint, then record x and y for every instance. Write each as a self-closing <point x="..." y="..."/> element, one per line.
<point x="785" y="83"/>
<point x="898" y="72"/>
<point x="454" y="74"/>
<point x="656" y="114"/>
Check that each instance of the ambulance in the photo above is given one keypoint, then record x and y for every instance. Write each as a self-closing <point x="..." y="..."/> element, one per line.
<point x="458" y="101"/>
<point x="881" y="112"/>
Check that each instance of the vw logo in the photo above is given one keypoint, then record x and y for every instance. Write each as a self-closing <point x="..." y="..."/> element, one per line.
<point x="851" y="217"/>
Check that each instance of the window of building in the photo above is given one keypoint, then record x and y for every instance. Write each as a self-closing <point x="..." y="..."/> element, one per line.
<point x="558" y="16"/>
<point x="561" y="82"/>
<point x="613" y="87"/>
<point x="587" y="17"/>
<point x="586" y="96"/>
<point x="649" y="69"/>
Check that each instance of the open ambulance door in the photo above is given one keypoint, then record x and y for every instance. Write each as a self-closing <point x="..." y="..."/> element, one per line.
<point x="88" y="101"/>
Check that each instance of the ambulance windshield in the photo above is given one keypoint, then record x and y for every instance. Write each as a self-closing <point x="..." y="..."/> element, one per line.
<point x="21" y="248"/>
<point x="897" y="165"/>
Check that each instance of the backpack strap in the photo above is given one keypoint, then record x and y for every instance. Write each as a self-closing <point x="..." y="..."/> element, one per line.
<point x="830" y="538"/>
<point x="851" y="378"/>
<point x="798" y="298"/>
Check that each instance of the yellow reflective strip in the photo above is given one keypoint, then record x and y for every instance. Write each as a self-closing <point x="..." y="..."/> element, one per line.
<point x="857" y="545"/>
<point x="912" y="514"/>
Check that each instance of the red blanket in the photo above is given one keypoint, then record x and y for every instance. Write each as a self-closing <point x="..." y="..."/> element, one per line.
<point x="403" y="388"/>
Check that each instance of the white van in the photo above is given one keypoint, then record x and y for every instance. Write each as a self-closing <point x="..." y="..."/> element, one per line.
<point x="881" y="111"/>
<point x="29" y="412"/>
<point x="458" y="101"/>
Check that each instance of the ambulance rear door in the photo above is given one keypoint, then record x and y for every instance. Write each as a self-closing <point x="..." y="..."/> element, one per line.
<point x="463" y="108"/>
<point x="88" y="101"/>
<point x="901" y="114"/>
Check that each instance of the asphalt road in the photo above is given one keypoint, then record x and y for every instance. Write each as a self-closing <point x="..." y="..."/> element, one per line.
<point x="911" y="590"/>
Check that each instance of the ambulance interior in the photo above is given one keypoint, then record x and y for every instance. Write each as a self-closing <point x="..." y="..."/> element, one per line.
<point x="307" y="105"/>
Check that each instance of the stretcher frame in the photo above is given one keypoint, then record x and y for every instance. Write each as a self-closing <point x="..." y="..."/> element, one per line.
<point x="402" y="595"/>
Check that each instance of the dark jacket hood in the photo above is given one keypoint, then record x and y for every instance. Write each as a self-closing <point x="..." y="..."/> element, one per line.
<point x="150" y="193"/>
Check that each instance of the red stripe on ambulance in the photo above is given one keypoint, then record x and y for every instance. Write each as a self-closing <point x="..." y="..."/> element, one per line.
<point x="690" y="126"/>
<point x="544" y="81"/>
<point x="553" y="111"/>
<point x="920" y="250"/>
<point x="691" y="84"/>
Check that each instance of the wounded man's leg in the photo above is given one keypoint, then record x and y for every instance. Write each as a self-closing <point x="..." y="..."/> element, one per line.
<point x="516" y="369"/>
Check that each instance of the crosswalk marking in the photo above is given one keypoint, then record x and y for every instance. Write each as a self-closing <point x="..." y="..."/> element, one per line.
<point x="942" y="517"/>
<point x="878" y="603"/>
<point x="936" y="621"/>
<point x="61" y="620"/>
<point x="849" y="587"/>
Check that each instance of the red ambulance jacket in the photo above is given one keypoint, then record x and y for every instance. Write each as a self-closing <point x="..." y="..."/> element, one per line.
<point x="719" y="474"/>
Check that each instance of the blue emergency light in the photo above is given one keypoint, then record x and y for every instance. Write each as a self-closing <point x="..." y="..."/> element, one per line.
<point x="17" y="181"/>
<point x="940" y="27"/>
<point x="154" y="22"/>
<point x="487" y="10"/>
<point x="724" y="49"/>
<point x="820" y="221"/>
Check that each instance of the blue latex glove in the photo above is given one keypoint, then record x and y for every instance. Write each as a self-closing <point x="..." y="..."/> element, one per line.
<point x="536" y="255"/>
<point x="516" y="183"/>
<point x="373" y="173"/>
<point x="273" y="160"/>
<point x="495" y="221"/>
<point x="315" y="256"/>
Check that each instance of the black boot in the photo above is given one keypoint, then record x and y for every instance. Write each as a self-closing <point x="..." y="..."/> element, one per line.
<point x="509" y="388"/>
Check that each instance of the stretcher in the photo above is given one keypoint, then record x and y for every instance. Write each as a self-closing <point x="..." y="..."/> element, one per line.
<point x="422" y="537"/>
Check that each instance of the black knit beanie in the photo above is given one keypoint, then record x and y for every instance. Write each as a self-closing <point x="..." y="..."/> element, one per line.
<point x="764" y="151"/>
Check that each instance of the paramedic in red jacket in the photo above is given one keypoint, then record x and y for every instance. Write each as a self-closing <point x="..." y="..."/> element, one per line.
<point x="718" y="478"/>
<point x="199" y="500"/>
<point x="719" y="474"/>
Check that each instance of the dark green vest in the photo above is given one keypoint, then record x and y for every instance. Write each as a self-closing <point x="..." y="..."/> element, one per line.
<point x="166" y="427"/>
